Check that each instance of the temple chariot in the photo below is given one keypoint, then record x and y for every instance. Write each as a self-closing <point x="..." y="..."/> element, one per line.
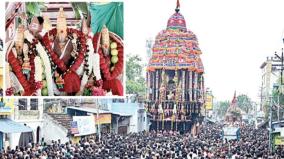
<point x="175" y="82"/>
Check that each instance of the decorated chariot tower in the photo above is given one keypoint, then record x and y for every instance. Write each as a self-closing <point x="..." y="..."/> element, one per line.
<point x="175" y="82"/>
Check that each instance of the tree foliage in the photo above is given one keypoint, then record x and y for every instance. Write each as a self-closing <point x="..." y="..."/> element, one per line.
<point x="278" y="92"/>
<point x="135" y="80"/>
<point x="245" y="103"/>
<point x="221" y="108"/>
<point x="34" y="9"/>
<point x="79" y="7"/>
<point x="278" y="100"/>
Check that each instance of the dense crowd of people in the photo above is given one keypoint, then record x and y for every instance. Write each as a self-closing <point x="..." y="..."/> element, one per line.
<point x="209" y="143"/>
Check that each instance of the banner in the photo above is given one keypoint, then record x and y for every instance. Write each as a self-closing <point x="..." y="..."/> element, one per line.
<point x="103" y="119"/>
<point x="278" y="140"/>
<point x="231" y="133"/>
<point x="209" y="102"/>
<point x="85" y="125"/>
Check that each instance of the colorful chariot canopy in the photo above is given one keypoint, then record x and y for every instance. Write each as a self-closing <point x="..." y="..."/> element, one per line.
<point x="176" y="47"/>
<point x="177" y="21"/>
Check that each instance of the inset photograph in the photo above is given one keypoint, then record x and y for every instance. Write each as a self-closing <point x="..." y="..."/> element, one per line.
<point x="64" y="49"/>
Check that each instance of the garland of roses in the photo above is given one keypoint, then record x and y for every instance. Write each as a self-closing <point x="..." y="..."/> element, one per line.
<point x="108" y="75"/>
<point x="55" y="58"/>
<point x="28" y="85"/>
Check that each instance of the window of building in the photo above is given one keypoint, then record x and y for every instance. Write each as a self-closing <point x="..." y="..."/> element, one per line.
<point x="22" y="104"/>
<point x="34" y="104"/>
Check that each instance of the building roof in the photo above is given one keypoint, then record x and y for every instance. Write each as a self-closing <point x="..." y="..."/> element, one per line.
<point x="10" y="126"/>
<point x="94" y="110"/>
<point x="128" y="108"/>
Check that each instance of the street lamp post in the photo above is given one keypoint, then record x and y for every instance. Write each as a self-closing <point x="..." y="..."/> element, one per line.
<point x="99" y="126"/>
<point x="270" y="124"/>
<point x="278" y="106"/>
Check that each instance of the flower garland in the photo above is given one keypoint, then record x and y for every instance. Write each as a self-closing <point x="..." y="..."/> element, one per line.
<point x="29" y="85"/>
<point x="17" y="68"/>
<point x="71" y="78"/>
<point x="47" y="66"/>
<point x="87" y="65"/>
<point x="38" y="74"/>
<point x="107" y="74"/>
<point x="55" y="58"/>
<point x="96" y="66"/>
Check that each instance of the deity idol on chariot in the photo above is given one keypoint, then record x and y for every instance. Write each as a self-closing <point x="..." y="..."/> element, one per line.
<point x="64" y="61"/>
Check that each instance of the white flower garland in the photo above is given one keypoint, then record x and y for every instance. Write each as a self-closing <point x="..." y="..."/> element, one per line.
<point x="96" y="66"/>
<point x="47" y="66"/>
<point x="90" y="58"/>
<point x="38" y="69"/>
<point x="38" y="72"/>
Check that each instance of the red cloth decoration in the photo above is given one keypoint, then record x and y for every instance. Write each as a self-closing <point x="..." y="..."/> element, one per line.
<point x="72" y="82"/>
<point x="17" y="68"/>
<point x="115" y="86"/>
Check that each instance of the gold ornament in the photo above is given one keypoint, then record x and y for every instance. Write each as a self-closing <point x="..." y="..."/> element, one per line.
<point x="19" y="39"/>
<point x="61" y="23"/>
<point x="46" y="25"/>
<point x="105" y="40"/>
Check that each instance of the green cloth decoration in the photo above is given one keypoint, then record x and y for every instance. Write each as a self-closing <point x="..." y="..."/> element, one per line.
<point x="110" y="14"/>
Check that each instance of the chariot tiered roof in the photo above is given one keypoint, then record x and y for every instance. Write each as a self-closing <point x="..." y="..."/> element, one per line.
<point x="176" y="47"/>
